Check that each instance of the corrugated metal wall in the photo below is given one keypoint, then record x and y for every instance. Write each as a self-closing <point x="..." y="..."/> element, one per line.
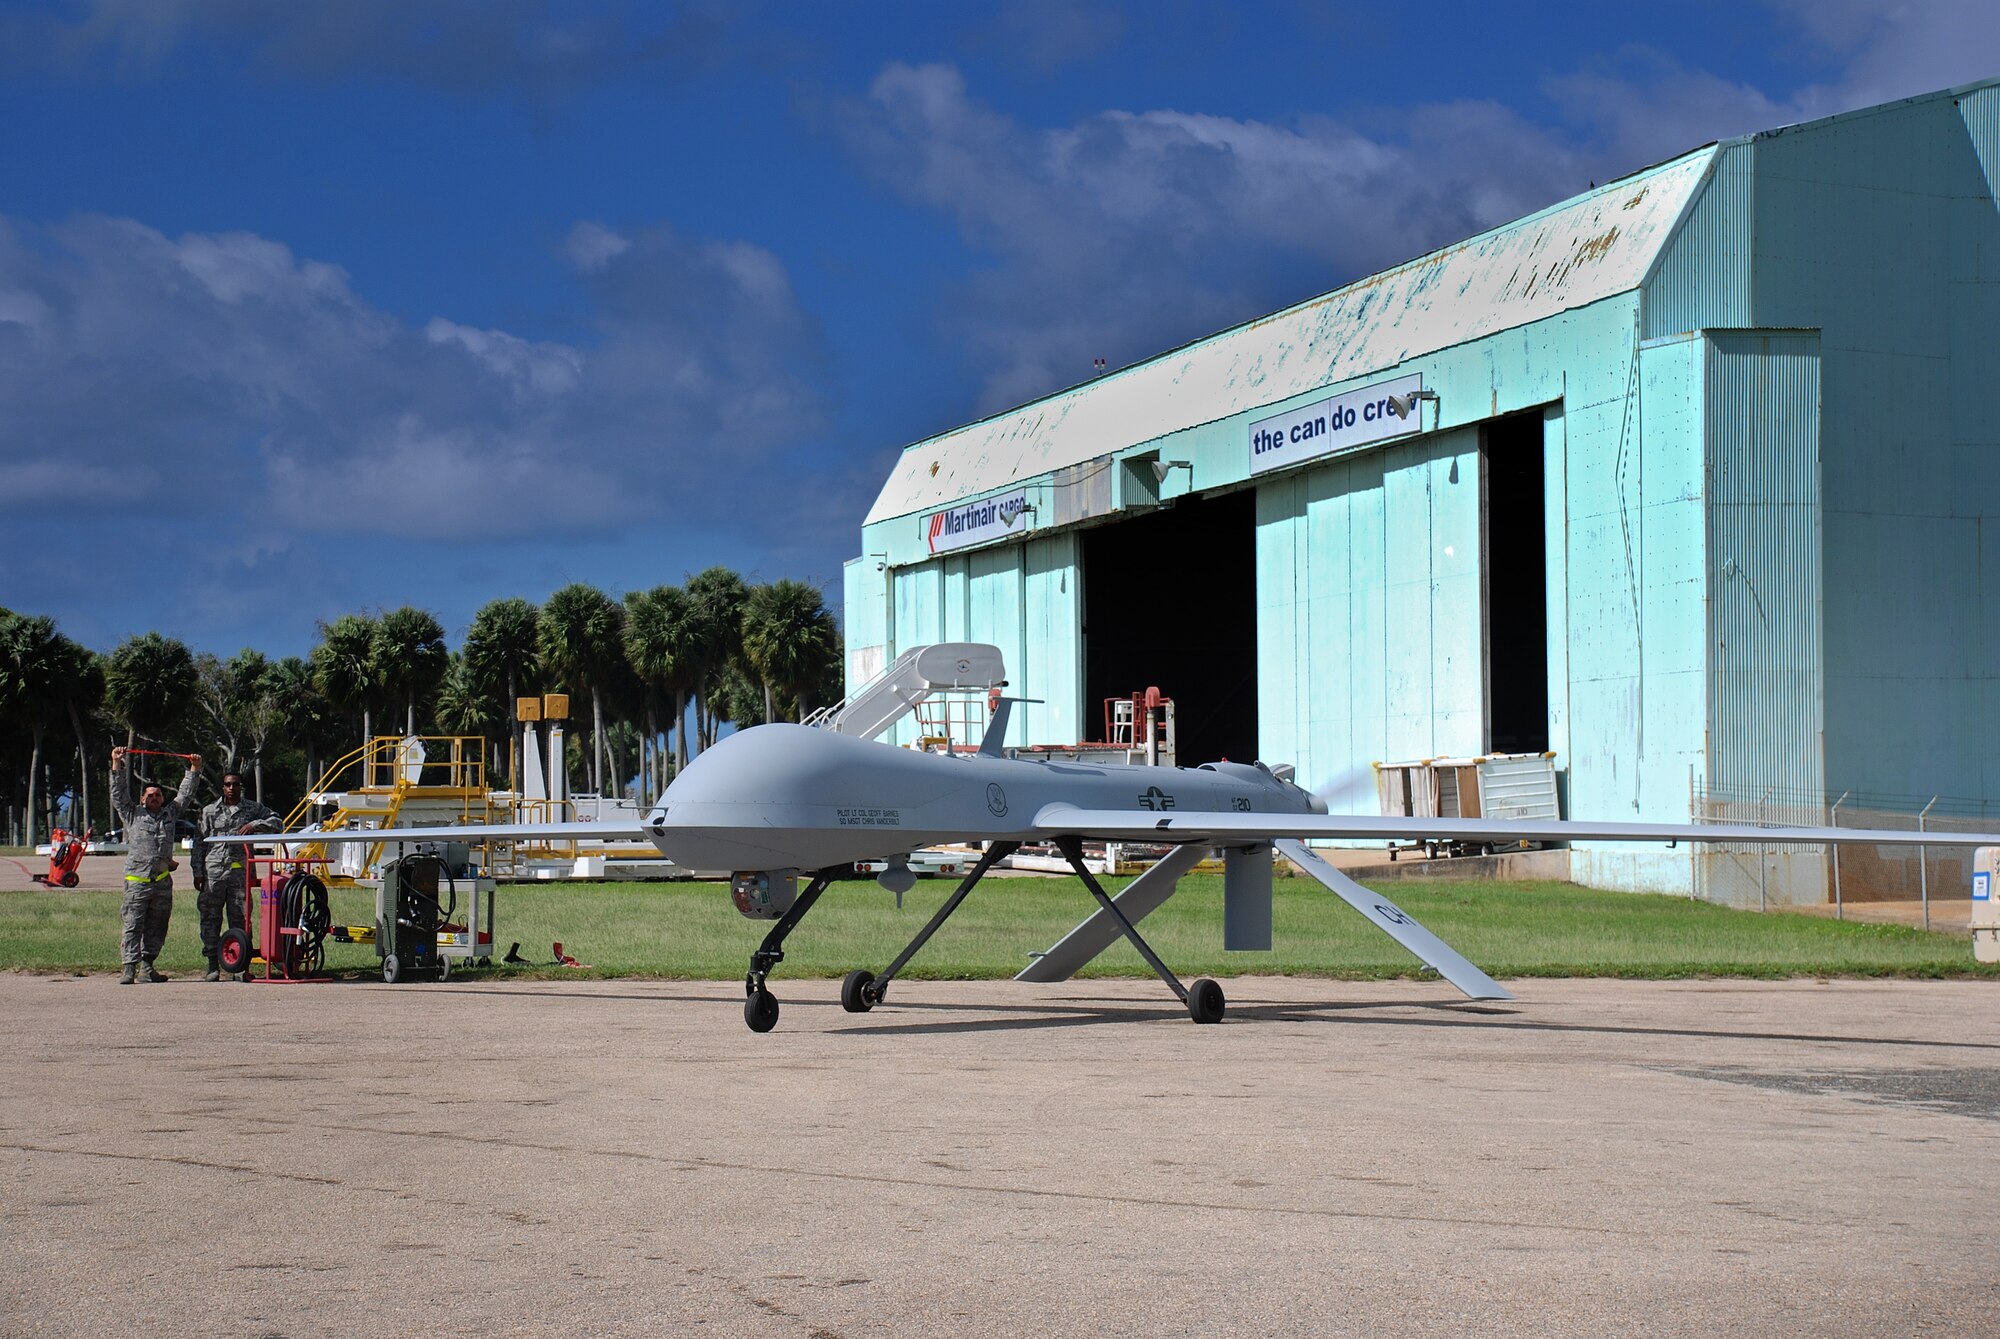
<point x="1703" y="275"/>
<point x="1766" y="705"/>
<point x="1881" y="230"/>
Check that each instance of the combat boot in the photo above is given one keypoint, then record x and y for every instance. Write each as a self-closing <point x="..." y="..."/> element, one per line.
<point x="131" y="972"/>
<point x="214" y="972"/>
<point x="152" y="976"/>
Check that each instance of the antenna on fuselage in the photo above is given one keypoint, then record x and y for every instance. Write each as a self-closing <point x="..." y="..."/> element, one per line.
<point x="996" y="725"/>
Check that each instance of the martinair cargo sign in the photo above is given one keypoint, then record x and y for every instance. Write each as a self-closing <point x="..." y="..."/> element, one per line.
<point x="1356" y="418"/>
<point x="976" y="522"/>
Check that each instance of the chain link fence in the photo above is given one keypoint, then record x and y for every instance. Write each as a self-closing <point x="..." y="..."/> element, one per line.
<point x="1917" y="885"/>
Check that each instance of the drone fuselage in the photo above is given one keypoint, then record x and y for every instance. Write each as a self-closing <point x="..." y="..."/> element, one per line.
<point x="788" y="797"/>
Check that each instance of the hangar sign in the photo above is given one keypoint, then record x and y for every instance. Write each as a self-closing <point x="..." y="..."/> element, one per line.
<point x="976" y="522"/>
<point x="1354" y="418"/>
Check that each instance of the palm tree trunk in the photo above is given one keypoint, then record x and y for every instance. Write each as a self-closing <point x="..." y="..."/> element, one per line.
<point x="82" y="762"/>
<point x="514" y="728"/>
<point x="649" y="758"/>
<point x="680" y="729"/>
<point x="34" y="770"/>
<point x="769" y="713"/>
<point x="597" y="739"/>
<point x="410" y="715"/>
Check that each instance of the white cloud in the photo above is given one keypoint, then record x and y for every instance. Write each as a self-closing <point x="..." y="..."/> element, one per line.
<point x="591" y="246"/>
<point x="165" y="373"/>
<point x="1129" y="232"/>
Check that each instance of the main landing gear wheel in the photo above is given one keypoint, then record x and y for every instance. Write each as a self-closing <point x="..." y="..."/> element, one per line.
<point x="760" y="1010"/>
<point x="857" y="992"/>
<point x="1204" y="1001"/>
<point x="392" y="969"/>
<point x="234" y="951"/>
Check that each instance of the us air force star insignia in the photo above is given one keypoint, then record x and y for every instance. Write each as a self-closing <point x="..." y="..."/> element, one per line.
<point x="996" y="800"/>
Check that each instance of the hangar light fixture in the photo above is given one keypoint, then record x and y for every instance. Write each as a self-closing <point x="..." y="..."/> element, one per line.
<point x="1162" y="468"/>
<point x="1402" y="406"/>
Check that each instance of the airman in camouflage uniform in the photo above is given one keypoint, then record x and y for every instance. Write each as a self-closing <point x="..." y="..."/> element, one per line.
<point x="149" y="865"/>
<point x="218" y="870"/>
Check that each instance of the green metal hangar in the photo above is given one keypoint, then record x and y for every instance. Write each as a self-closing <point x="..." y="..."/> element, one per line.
<point x="1694" y="497"/>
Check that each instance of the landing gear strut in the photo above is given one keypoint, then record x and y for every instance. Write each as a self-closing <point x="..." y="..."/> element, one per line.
<point x="862" y="991"/>
<point x="1203" y="999"/>
<point x="760" y="1008"/>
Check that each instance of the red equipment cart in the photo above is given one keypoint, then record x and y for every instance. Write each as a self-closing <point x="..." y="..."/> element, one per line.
<point x="66" y="851"/>
<point x="287" y="905"/>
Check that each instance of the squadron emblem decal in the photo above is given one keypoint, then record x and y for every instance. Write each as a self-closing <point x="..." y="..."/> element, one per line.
<point x="996" y="800"/>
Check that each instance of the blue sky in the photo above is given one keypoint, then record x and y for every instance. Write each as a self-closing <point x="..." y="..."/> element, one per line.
<point x="311" y="309"/>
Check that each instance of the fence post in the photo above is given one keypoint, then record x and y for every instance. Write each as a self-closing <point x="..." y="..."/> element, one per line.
<point x="1834" y="821"/>
<point x="1923" y="866"/>
<point x="1695" y="815"/>
<point x="1763" y="852"/>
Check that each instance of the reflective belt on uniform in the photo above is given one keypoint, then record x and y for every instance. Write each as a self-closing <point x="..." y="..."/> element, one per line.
<point x="236" y="864"/>
<point x="140" y="878"/>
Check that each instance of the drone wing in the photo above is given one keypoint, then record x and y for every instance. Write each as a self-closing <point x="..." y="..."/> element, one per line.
<point x="466" y="832"/>
<point x="1240" y="829"/>
<point x="1288" y="833"/>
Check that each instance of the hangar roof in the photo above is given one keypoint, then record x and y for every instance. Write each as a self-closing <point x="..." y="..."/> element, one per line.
<point x="1572" y="254"/>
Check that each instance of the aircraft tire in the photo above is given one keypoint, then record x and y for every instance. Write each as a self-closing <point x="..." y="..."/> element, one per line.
<point x="854" y="992"/>
<point x="760" y="1011"/>
<point x="1205" y="1002"/>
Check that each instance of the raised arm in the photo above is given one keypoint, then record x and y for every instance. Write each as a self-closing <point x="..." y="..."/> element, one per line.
<point x="188" y="783"/>
<point x="121" y="787"/>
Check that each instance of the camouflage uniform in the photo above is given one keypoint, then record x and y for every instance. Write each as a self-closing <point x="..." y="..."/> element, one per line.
<point x="149" y="884"/>
<point x="220" y="868"/>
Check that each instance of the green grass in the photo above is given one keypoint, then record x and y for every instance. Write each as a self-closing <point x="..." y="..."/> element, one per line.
<point x="689" y="931"/>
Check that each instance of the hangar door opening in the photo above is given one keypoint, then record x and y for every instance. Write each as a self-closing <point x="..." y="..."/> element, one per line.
<point x="1170" y="599"/>
<point x="1517" y="585"/>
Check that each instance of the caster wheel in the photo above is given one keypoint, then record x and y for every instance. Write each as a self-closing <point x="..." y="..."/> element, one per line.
<point x="392" y="969"/>
<point x="857" y="993"/>
<point x="1205" y="1001"/>
<point x="444" y="969"/>
<point x="760" y="1011"/>
<point x="486" y="962"/>
<point x="233" y="953"/>
<point x="69" y="880"/>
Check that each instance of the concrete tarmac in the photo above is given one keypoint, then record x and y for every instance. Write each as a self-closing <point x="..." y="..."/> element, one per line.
<point x="610" y="1158"/>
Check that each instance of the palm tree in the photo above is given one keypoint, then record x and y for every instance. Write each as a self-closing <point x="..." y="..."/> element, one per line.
<point x="716" y="596"/>
<point x="501" y="647"/>
<point x="408" y="656"/>
<point x="148" y="684"/>
<point x="659" y="641"/>
<point x="80" y="676"/>
<point x="304" y="717"/>
<point x="464" y="704"/>
<point x="254" y="708"/>
<point x="582" y="641"/>
<point x="31" y="658"/>
<point x="788" y="638"/>
<point x="344" y="667"/>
